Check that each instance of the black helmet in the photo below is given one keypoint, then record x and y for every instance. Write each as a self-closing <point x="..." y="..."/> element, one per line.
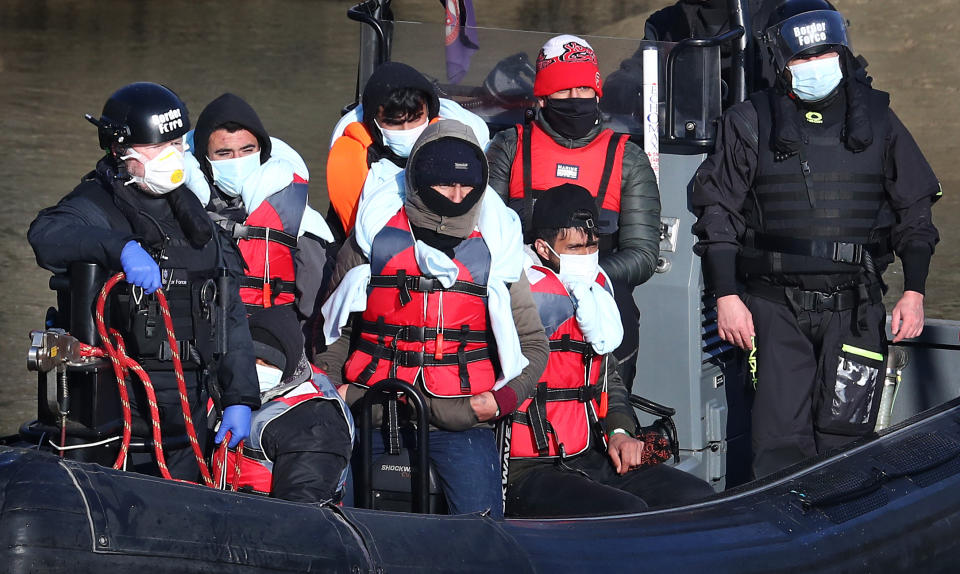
<point x="141" y="113"/>
<point x="803" y="27"/>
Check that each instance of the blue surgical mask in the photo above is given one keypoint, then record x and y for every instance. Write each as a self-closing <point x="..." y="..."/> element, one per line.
<point x="401" y="141"/>
<point x="229" y="174"/>
<point x="814" y="80"/>
<point x="269" y="377"/>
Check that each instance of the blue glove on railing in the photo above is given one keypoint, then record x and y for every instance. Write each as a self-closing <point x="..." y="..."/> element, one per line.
<point x="236" y="419"/>
<point x="140" y="268"/>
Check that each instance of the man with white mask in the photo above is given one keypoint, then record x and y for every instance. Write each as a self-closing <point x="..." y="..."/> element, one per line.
<point x="133" y="214"/>
<point x="559" y="465"/>
<point x="813" y="186"/>
<point x="255" y="187"/>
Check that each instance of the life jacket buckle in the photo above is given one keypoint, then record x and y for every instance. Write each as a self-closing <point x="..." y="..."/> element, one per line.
<point x="426" y="284"/>
<point x="408" y="358"/>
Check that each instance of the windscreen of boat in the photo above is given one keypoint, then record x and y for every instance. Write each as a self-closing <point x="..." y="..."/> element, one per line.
<point x="491" y="73"/>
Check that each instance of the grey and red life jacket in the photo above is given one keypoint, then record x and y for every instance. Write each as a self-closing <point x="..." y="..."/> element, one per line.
<point x="267" y="239"/>
<point x="559" y="418"/>
<point x="250" y="469"/>
<point x="413" y="326"/>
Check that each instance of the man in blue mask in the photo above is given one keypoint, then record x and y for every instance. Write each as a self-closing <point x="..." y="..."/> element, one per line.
<point x="255" y="186"/>
<point x="813" y="187"/>
<point x="372" y="142"/>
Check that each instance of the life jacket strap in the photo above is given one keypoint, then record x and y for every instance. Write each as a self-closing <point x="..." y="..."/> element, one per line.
<point x="403" y="358"/>
<point x="423" y="284"/>
<point x="417" y="334"/>
<point x="241" y="231"/>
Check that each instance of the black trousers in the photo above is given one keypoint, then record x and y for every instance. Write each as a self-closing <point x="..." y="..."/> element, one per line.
<point x="818" y="380"/>
<point x="178" y="454"/>
<point x="309" y="446"/>
<point x="588" y="485"/>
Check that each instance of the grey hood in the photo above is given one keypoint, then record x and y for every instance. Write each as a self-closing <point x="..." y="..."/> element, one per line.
<point x="418" y="213"/>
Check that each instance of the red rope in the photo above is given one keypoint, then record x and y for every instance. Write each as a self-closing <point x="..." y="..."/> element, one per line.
<point x="114" y="348"/>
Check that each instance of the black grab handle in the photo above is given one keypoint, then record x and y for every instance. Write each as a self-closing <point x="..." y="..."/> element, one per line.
<point x="385" y="391"/>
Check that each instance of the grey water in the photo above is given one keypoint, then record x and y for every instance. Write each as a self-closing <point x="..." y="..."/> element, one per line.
<point x="293" y="60"/>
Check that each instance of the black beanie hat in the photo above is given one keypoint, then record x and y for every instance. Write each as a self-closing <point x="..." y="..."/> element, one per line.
<point x="447" y="161"/>
<point x="564" y="206"/>
<point x="277" y="338"/>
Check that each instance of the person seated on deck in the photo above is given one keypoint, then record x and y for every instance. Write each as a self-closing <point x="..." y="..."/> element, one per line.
<point x="301" y="438"/>
<point x="429" y="288"/>
<point x="372" y="142"/>
<point x="559" y="465"/>
<point x="567" y="143"/>
<point x="255" y="187"/>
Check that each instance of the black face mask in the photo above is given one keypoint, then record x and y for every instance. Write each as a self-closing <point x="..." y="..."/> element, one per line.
<point x="572" y="117"/>
<point x="439" y="204"/>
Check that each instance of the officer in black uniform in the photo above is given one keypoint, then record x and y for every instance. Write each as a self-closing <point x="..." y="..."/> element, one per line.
<point x="132" y="214"/>
<point x="813" y="186"/>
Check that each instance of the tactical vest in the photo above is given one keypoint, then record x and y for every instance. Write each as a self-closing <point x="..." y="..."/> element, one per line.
<point x="189" y="278"/>
<point x="817" y="211"/>
<point x="414" y="326"/>
<point x="597" y="166"/>
<point x="267" y="239"/>
<point x="559" y="417"/>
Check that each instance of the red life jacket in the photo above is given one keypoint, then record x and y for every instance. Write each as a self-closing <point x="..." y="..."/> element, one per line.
<point x="560" y="414"/>
<point x="412" y="325"/>
<point x="597" y="166"/>
<point x="271" y="273"/>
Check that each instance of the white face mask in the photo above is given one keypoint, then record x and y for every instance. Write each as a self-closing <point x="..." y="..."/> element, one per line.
<point x="814" y="80"/>
<point x="229" y="174"/>
<point x="269" y="377"/>
<point x="578" y="268"/>
<point x="162" y="174"/>
<point x="401" y="141"/>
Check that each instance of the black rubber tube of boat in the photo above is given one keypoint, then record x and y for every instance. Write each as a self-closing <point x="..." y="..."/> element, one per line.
<point x="388" y="389"/>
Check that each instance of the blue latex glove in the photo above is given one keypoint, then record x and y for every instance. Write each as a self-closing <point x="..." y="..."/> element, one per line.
<point x="236" y="419"/>
<point x="140" y="268"/>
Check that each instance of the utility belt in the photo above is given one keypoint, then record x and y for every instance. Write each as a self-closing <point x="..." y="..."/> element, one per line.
<point x="163" y="359"/>
<point x="836" y="251"/>
<point x="857" y="297"/>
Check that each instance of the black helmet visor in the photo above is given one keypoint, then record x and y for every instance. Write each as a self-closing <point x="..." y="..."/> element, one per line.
<point x="803" y="32"/>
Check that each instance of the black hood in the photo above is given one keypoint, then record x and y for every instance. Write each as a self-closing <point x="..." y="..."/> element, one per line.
<point x="227" y="108"/>
<point x="388" y="77"/>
